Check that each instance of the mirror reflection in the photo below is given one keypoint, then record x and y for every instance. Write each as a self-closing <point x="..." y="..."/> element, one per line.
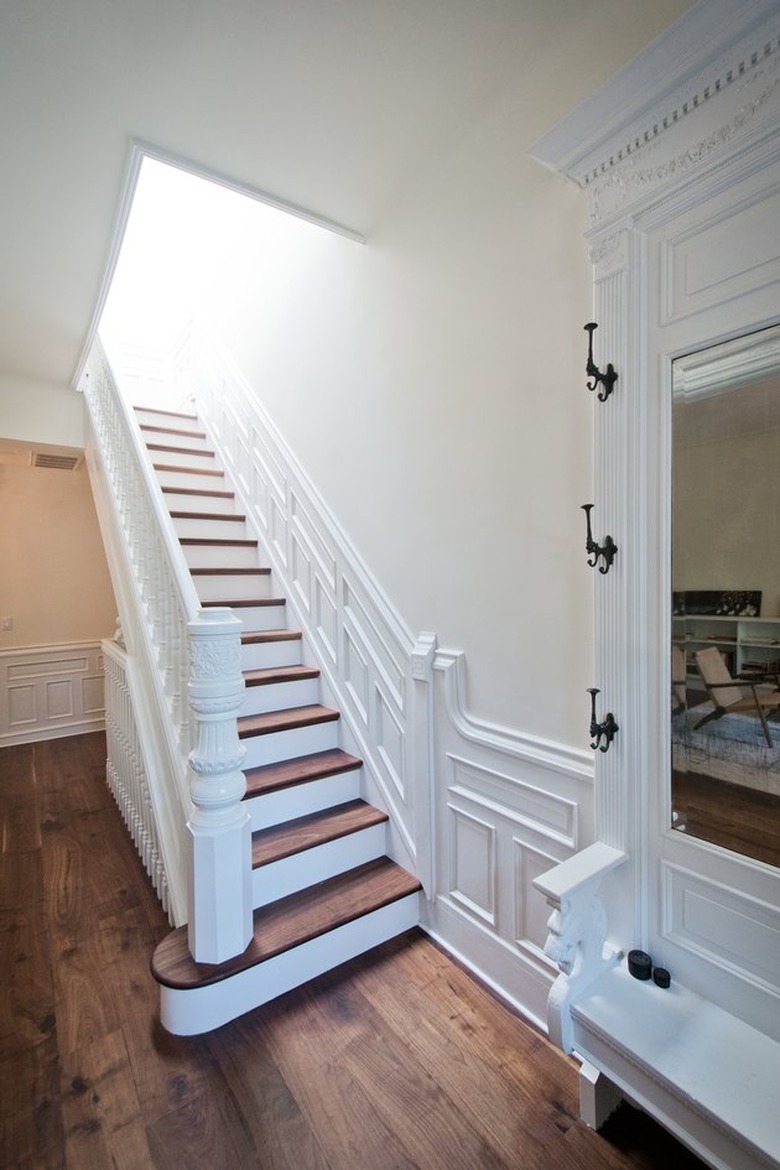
<point x="726" y="595"/>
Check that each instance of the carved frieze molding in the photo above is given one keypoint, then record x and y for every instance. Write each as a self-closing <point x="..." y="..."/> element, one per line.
<point x="708" y="84"/>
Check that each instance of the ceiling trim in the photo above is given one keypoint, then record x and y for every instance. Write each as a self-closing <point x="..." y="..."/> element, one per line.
<point x="139" y="150"/>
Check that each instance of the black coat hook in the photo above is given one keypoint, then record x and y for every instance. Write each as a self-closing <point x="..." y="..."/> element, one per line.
<point x="607" y="730"/>
<point x="607" y="379"/>
<point x="606" y="550"/>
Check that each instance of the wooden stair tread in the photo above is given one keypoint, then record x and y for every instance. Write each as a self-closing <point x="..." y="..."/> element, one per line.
<point x="206" y="493"/>
<point x="231" y="517"/>
<point x="289" y="922"/>
<point x="285" y="720"/>
<point x="276" y="674"/>
<point x="173" y="447"/>
<point x="239" y="570"/>
<point x="217" y="542"/>
<point x="158" y="430"/>
<point x="267" y="778"/>
<point x="258" y="637"/>
<point x="187" y="470"/>
<point x="296" y="836"/>
<point x="245" y="603"/>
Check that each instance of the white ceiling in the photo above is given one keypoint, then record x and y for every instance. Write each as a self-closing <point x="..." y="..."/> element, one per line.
<point x="333" y="105"/>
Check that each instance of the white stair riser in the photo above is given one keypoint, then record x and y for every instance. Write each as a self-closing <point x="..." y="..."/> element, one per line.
<point x="183" y="502"/>
<point x="192" y="1012"/>
<point x="264" y="655"/>
<point x="284" y="745"/>
<point x="158" y="418"/>
<point x="278" y="696"/>
<point x="239" y="587"/>
<point x="156" y="439"/>
<point x="276" y="808"/>
<point x="183" y="479"/>
<point x="254" y="618"/>
<point x="224" y="528"/>
<point x="208" y="556"/>
<point x="188" y="460"/>
<point x="291" y="874"/>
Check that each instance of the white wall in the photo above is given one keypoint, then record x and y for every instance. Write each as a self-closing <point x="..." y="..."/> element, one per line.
<point x="432" y="384"/>
<point x="40" y="412"/>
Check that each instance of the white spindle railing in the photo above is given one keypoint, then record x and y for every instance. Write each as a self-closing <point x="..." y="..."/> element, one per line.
<point x="185" y="700"/>
<point x="125" y="769"/>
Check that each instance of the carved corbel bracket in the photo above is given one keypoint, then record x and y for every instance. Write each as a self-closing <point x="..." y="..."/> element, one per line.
<point x="577" y="931"/>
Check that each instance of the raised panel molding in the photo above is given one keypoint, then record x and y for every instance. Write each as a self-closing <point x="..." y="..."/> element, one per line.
<point x="531" y="909"/>
<point x="472" y="864"/>
<point x="723" y="925"/>
<point x="735" y="252"/>
<point x="50" y="691"/>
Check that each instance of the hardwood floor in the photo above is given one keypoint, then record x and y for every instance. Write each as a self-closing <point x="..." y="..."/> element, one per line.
<point x="738" y="818"/>
<point x="397" y="1061"/>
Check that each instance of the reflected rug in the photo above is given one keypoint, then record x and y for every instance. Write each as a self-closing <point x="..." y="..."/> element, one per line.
<point x="730" y="748"/>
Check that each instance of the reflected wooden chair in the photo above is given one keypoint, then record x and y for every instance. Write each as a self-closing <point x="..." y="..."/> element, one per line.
<point x="679" y="672"/>
<point x="727" y="694"/>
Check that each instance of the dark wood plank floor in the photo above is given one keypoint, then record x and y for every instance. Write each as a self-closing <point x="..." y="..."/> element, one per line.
<point x="397" y="1061"/>
<point x="738" y="818"/>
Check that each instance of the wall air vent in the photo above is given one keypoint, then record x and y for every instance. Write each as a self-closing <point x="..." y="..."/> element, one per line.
<point x="59" y="462"/>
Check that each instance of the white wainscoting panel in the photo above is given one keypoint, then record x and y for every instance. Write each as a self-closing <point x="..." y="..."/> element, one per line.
<point x="722" y="924"/>
<point x="507" y="807"/>
<point x="50" y="691"/>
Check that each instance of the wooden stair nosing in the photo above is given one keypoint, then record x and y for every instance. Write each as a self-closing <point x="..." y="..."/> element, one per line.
<point x="307" y="832"/>
<point x="157" y="430"/>
<point x="211" y="494"/>
<point x="259" y="637"/>
<point x="288" y="719"/>
<point x="276" y="674"/>
<point x="259" y="601"/>
<point x="187" y="470"/>
<point x="216" y="542"/>
<point x="244" y="602"/>
<point x="231" y="517"/>
<point x="238" y="571"/>
<point x="268" y="778"/>
<point x="288" y="923"/>
<point x="175" y="449"/>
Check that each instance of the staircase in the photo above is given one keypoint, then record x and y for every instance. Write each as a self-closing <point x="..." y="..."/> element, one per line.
<point x="323" y="888"/>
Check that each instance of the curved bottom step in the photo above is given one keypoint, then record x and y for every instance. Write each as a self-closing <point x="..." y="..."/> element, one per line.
<point x="295" y="939"/>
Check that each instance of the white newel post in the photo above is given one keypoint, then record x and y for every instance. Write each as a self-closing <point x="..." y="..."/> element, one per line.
<point x="220" y="912"/>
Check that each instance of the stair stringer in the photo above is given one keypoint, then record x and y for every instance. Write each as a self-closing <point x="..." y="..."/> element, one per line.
<point x="372" y="667"/>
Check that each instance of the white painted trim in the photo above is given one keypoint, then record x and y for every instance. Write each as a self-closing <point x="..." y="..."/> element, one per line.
<point x="67" y="667"/>
<point x="557" y="757"/>
<point x="694" y="58"/>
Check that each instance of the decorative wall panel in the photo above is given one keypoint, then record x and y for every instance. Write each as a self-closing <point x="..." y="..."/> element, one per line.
<point x="50" y="691"/>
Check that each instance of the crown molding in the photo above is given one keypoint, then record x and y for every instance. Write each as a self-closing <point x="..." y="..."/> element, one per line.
<point x="714" y="45"/>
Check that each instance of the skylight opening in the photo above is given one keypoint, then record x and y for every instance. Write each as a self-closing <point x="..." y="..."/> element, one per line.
<point x="186" y="238"/>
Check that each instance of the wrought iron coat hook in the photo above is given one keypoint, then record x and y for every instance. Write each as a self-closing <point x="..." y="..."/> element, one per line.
<point x="607" y="730"/>
<point x="607" y="379"/>
<point x="606" y="550"/>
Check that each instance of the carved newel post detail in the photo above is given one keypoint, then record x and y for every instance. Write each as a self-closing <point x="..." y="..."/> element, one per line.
<point x="220" y="912"/>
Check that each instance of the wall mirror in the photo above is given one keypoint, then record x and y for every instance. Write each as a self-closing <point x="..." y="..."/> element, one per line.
<point x="725" y="748"/>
